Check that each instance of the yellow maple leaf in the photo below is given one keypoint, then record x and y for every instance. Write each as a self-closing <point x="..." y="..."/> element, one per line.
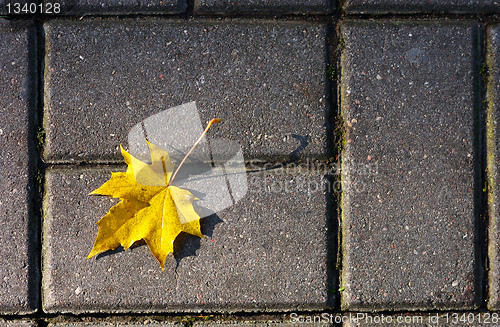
<point x="151" y="209"/>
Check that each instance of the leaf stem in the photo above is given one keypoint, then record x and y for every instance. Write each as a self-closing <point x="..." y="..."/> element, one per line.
<point x="164" y="169"/>
<point x="213" y="121"/>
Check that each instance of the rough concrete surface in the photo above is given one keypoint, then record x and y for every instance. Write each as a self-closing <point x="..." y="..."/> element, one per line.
<point x="18" y="268"/>
<point x="121" y="7"/>
<point x="265" y="80"/>
<point x="17" y="323"/>
<point x="117" y="323"/>
<point x="472" y="319"/>
<point x="253" y="324"/>
<point x="231" y="324"/>
<point x="263" y="7"/>
<point x="493" y="158"/>
<point x="410" y="202"/>
<point x="268" y="252"/>
<point x="182" y="322"/>
<point x="413" y="6"/>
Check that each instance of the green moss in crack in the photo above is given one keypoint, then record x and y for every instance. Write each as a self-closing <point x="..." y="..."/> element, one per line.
<point x="331" y="71"/>
<point x="40" y="136"/>
<point x="40" y="178"/>
<point x="484" y="71"/>
<point x="339" y="141"/>
<point x="341" y="43"/>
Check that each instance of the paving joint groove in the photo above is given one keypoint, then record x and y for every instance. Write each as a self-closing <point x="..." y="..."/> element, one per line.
<point x="186" y="16"/>
<point x="189" y="12"/>
<point x="337" y="139"/>
<point x="311" y="18"/>
<point x="34" y="272"/>
<point x="481" y="206"/>
<point x="334" y="143"/>
<point x="482" y="209"/>
<point x="289" y="167"/>
<point x="333" y="203"/>
<point x="39" y="137"/>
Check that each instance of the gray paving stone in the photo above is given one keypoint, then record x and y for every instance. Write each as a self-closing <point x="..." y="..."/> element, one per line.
<point x="119" y="7"/>
<point x="151" y="323"/>
<point x="493" y="151"/>
<point x="17" y="323"/>
<point x="231" y="324"/>
<point x="266" y="81"/>
<point x="18" y="272"/>
<point x="268" y="6"/>
<point x="408" y="206"/>
<point x="421" y="320"/>
<point x="253" y="324"/>
<point x="268" y="252"/>
<point x="430" y="6"/>
<point x="140" y="323"/>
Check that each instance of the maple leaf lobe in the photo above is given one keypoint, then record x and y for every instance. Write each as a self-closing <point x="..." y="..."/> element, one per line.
<point x="150" y="209"/>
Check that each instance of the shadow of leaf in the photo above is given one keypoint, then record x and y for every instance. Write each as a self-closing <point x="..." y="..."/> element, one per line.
<point x="120" y="249"/>
<point x="186" y="245"/>
<point x="294" y="155"/>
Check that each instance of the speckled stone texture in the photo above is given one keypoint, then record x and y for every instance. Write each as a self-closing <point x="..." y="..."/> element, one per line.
<point x="409" y="212"/>
<point x="118" y="7"/>
<point x="232" y="324"/>
<point x="270" y="251"/>
<point x="17" y="323"/>
<point x="265" y="80"/>
<point x="18" y="272"/>
<point x="255" y="324"/>
<point x="493" y="158"/>
<point x="448" y="319"/>
<point x="267" y="7"/>
<point x="413" y="6"/>
<point x="137" y="322"/>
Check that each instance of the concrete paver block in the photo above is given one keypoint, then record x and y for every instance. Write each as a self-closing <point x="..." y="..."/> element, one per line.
<point x="272" y="6"/>
<point x="493" y="158"/>
<point x="139" y="323"/>
<point x="151" y="323"/>
<point x="413" y="6"/>
<point x="18" y="267"/>
<point x="117" y="7"/>
<point x="410" y="197"/>
<point x="265" y="80"/>
<point x="472" y="319"/>
<point x="267" y="252"/>
<point x="17" y="323"/>
<point x="254" y="324"/>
